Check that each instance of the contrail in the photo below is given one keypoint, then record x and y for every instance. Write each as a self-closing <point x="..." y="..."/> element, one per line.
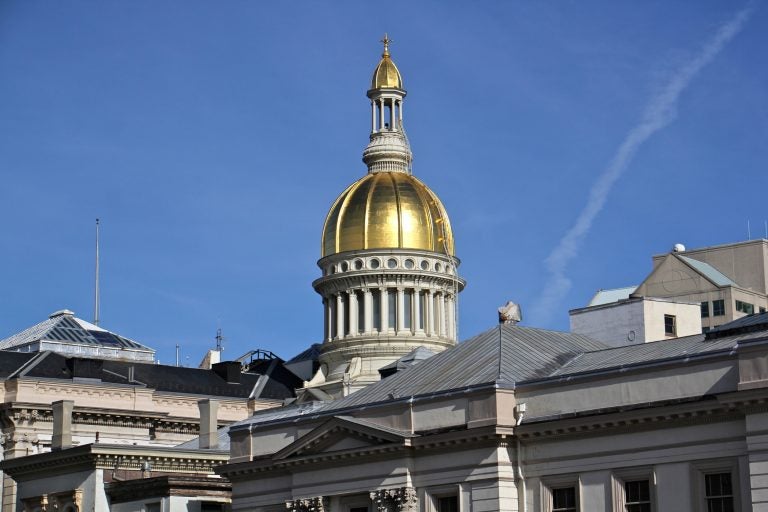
<point x="659" y="112"/>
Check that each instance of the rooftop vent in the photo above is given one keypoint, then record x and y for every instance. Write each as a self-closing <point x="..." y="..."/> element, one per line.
<point x="61" y="312"/>
<point x="510" y="313"/>
<point x="678" y="248"/>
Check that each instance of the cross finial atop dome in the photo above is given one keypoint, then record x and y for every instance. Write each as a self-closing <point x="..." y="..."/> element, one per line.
<point x="386" y="42"/>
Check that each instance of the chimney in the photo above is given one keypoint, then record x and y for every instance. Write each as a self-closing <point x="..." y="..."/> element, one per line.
<point x="229" y="371"/>
<point x="510" y="313"/>
<point x="209" y="412"/>
<point x="62" y="424"/>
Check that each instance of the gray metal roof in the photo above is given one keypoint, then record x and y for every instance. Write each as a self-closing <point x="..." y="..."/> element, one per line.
<point x="708" y="271"/>
<point x="63" y="327"/>
<point x="504" y="354"/>
<point x="613" y="295"/>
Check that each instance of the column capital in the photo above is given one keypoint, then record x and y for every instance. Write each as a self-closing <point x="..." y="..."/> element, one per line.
<point x="316" y="504"/>
<point x="403" y="499"/>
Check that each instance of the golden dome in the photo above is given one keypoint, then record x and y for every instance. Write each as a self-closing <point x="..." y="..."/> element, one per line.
<point x="387" y="210"/>
<point x="386" y="74"/>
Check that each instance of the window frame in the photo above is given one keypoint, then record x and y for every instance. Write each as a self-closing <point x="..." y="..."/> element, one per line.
<point x="549" y="484"/>
<point x="702" y="469"/>
<point x="620" y="479"/>
<point x="704" y="307"/>
<point x="721" y="303"/>
<point x="433" y="494"/>
<point x="673" y="332"/>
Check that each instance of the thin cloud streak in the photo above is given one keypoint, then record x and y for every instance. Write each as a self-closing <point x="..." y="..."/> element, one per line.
<point x="660" y="111"/>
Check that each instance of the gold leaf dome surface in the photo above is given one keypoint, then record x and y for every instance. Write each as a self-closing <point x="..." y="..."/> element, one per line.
<point x="386" y="74"/>
<point x="387" y="210"/>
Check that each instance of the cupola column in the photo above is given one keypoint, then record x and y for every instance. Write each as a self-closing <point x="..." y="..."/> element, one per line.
<point x="440" y="315"/>
<point x="400" y="310"/>
<point x="368" y="311"/>
<point x="353" y="305"/>
<point x="429" y="323"/>
<point x="339" y="317"/>
<point x="418" y="328"/>
<point x="450" y="316"/>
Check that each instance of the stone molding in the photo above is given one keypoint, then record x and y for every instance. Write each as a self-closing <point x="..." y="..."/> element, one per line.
<point x="402" y="499"/>
<point x="315" y="504"/>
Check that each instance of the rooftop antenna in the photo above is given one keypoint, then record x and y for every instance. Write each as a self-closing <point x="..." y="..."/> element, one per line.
<point x="749" y="232"/>
<point x="766" y="228"/>
<point x="219" y="340"/>
<point x="96" y="295"/>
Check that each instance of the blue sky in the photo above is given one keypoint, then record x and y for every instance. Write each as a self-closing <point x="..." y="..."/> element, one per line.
<point x="212" y="137"/>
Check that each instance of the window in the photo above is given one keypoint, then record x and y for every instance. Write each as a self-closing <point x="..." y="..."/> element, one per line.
<point x="762" y="309"/>
<point x="670" y="325"/>
<point x="718" y="307"/>
<point x="718" y="492"/>
<point x="392" y="307"/>
<point x="345" y="311"/>
<point x="705" y="309"/>
<point x="564" y="499"/>
<point x="376" y="306"/>
<point x="447" y="504"/>
<point x="705" y="329"/>
<point x="637" y="496"/>
<point x="407" y="299"/>
<point x="745" y="307"/>
<point x="360" y="311"/>
<point x="422" y="306"/>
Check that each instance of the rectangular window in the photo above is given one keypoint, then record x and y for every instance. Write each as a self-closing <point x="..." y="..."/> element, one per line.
<point x="564" y="499"/>
<point x="762" y="309"/>
<point x="670" y="325"/>
<point x="745" y="307"/>
<point x="637" y="496"/>
<point x="376" y="306"/>
<point x="448" y="504"/>
<point x="360" y="311"/>
<point x="718" y="492"/>
<point x="705" y="309"/>
<point x="718" y="307"/>
<point x="407" y="311"/>
<point x="345" y="311"/>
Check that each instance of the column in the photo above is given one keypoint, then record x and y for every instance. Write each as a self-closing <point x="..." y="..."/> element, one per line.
<point x="394" y="116"/>
<point x="440" y="315"/>
<point x="373" y="116"/>
<point x="403" y="499"/>
<point x="400" y="310"/>
<point x="429" y="317"/>
<point x="368" y="311"/>
<point x="326" y="321"/>
<point x="316" y="504"/>
<point x="400" y="111"/>
<point x="382" y="114"/>
<point x="352" y="301"/>
<point x="339" y="317"/>
<point x="384" y="310"/>
<point x="451" y="317"/>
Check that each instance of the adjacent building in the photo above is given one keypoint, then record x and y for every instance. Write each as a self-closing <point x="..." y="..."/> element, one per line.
<point x="726" y="282"/>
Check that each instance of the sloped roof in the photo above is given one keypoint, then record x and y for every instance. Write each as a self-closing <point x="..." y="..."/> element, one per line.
<point x="64" y="327"/>
<point x="708" y="271"/>
<point x="504" y="354"/>
<point x="413" y="357"/>
<point x="174" y="379"/>
<point x="613" y="295"/>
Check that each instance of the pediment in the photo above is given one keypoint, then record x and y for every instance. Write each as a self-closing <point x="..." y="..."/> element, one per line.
<point x="343" y="434"/>
<point x="674" y="277"/>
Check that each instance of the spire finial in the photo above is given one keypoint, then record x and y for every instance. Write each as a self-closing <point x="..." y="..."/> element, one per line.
<point x="386" y="42"/>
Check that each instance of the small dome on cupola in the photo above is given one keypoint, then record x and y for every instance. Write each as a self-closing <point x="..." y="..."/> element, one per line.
<point x="386" y="75"/>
